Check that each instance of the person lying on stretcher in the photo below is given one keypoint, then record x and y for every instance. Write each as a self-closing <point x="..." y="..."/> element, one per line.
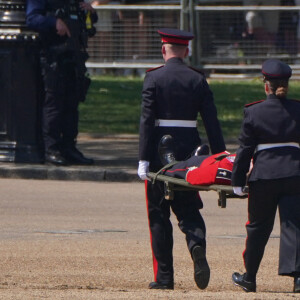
<point x="200" y="169"/>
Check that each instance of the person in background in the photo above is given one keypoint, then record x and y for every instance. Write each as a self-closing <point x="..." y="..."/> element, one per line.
<point x="173" y="95"/>
<point x="270" y="135"/>
<point x="63" y="31"/>
<point x="262" y="25"/>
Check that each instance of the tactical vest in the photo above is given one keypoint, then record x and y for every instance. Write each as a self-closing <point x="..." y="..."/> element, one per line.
<point x="70" y="12"/>
<point x="53" y="5"/>
<point x="66" y="9"/>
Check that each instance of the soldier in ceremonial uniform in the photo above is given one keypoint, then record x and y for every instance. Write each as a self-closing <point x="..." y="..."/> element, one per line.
<point x="270" y="135"/>
<point x="173" y="95"/>
<point x="63" y="33"/>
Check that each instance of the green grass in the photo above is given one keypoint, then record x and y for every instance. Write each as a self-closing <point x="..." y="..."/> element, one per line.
<point x="230" y="98"/>
<point x="113" y="104"/>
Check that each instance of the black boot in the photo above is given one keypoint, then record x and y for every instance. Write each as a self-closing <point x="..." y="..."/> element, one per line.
<point x="297" y="284"/>
<point x="161" y="286"/>
<point x="55" y="157"/>
<point x="201" y="267"/>
<point x="166" y="149"/>
<point x="241" y="281"/>
<point x="75" y="157"/>
<point x="201" y="150"/>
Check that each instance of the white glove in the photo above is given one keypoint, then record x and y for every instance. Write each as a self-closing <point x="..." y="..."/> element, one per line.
<point x="143" y="169"/>
<point x="238" y="190"/>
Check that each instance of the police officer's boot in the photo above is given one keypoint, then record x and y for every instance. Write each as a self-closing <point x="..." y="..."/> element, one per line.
<point x="55" y="157"/>
<point x="75" y="157"/>
<point x="166" y="149"/>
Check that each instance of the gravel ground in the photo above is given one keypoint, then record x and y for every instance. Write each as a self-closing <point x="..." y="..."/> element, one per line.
<point x="88" y="240"/>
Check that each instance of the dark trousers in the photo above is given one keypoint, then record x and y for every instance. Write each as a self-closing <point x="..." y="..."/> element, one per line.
<point x="186" y="207"/>
<point x="180" y="169"/>
<point x="264" y="197"/>
<point x="60" y="107"/>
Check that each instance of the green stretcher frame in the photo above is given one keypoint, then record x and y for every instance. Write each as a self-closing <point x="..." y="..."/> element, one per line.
<point x="176" y="184"/>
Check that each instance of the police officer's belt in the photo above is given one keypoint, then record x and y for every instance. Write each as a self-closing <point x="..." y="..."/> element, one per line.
<point x="175" y="123"/>
<point x="276" y="145"/>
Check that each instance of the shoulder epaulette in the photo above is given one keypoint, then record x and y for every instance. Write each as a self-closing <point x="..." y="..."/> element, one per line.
<point x="249" y="104"/>
<point x="149" y="70"/>
<point x="197" y="70"/>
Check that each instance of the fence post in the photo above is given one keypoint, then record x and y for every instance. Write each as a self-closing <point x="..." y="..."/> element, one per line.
<point x="192" y="25"/>
<point x="198" y="45"/>
<point x="184" y="15"/>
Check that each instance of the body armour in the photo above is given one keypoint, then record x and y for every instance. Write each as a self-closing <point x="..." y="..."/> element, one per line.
<point x="70" y="12"/>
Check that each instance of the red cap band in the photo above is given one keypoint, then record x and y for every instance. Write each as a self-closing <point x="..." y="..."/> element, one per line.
<point x="170" y="40"/>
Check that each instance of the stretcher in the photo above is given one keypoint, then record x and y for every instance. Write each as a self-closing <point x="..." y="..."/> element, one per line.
<point x="176" y="184"/>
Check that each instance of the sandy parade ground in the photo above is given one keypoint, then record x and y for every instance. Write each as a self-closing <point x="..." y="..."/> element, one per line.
<point x="90" y="240"/>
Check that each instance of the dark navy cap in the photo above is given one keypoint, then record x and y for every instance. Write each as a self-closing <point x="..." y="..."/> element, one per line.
<point x="175" y="36"/>
<point x="276" y="69"/>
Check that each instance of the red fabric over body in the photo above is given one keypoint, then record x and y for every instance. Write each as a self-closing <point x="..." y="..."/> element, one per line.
<point x="206" y="173"/>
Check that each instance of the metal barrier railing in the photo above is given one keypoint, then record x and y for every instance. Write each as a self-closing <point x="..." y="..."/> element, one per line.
<point x="226" y="36"/>
<point x="126" y="34"/>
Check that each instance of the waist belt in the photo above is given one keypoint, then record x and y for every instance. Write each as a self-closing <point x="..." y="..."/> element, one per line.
<point x="175" y="123"/>
<point x="276" y="145"/>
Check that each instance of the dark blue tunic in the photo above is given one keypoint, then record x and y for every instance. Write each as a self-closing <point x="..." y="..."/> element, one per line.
<point x="175" y="92"/>
<point x="274" y="181"/>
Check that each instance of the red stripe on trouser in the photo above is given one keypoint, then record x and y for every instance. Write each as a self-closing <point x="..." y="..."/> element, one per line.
<point x="155" y="264"/>
<point x="176" y="170"/>
<point x="247" y="223"/>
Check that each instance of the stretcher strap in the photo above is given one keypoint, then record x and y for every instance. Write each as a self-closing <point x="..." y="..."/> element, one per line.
<point x="169" y="165"/>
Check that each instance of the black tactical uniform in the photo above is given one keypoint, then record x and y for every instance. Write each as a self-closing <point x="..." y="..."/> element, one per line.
<point x="271" y="135"/>
<point x="63" y="69"/>
<point x="173" y="95"/>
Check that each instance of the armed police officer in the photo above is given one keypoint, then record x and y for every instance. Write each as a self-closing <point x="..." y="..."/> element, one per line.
<point x="173" y="95"/>
<point x="63" y="33"/>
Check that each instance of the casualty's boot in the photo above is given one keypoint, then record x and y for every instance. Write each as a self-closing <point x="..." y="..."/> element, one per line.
<point x="166" y="149"/>
<point x="201" y="150"/>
